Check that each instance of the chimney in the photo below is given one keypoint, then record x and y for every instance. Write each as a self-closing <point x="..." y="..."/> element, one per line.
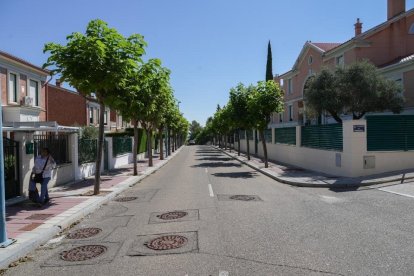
<point x="58" y="83"/>
<point x="358" y="27"/>
<point x="395" y="7"/>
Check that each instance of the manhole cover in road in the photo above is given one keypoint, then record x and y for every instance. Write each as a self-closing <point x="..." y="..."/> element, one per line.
<point x="83" y="253"/>
<point x="126" y="198"/>
<point x="172" y="215"/>
<point x="167" y="242"/>
<point x="242" y="197"/>
<point x="84" y="233"/>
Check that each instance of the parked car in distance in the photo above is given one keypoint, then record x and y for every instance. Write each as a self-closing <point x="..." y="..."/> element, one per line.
<point x="191" y="142"/>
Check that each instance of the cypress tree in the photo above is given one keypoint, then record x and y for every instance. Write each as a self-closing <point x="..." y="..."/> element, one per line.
<point x="269" y="71"/>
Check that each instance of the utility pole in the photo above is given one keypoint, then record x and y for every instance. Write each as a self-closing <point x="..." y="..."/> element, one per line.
<point x="4" y="241"/>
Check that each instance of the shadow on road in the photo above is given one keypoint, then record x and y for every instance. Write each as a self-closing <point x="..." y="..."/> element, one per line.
<point x="244" y="175"/>
<point x="216" y="165"/>
<point x="212" y="158"/>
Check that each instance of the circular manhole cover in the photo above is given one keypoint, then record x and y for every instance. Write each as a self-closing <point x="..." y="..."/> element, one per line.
<point x="84" y="233"/>
<point x="167" y="242"/>
<point x="172" y="215"/>
<point x="126" y="198"/>
<point x="242" y="197"/>
<point x="83" y="253"/>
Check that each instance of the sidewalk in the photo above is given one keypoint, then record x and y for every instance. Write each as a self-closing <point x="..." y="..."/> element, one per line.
<point x="32" y="226"/>
<point x="304" y="178"/>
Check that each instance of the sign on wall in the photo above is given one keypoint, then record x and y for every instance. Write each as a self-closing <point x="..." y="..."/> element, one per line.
<point x="359" y="128"/>
<point x="29" y="148"/>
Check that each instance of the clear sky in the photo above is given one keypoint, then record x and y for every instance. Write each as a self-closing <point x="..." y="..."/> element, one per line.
<point x="209" y="45"/>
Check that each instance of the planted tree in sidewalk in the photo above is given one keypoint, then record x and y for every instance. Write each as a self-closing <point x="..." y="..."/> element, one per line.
<point x="240" y="113"/>
<point x="96" y="64"/>
<point x="264" y="100"/>
<point x="356" y="89"/>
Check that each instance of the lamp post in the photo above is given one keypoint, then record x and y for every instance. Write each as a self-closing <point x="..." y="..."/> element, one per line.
<point x="4" y="241"/>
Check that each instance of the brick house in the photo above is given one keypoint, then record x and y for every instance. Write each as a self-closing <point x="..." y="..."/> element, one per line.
<point x="23" y="94"/>
<point x="68" y="107"/>
<point x="390" y="46"/>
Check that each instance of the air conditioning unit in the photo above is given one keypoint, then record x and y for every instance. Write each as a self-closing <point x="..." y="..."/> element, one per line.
<point x="28" y="101"/>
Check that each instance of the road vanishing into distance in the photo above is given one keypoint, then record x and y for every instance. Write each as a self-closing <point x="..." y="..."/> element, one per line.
<point x="206" y="214"/>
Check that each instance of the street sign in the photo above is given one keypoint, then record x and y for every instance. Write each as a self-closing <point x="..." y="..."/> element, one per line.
<point x="359" y="128"/>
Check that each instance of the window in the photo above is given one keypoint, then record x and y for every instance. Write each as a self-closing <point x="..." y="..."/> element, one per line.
<point x="340" y="61"/>
<point x="106" y="117"/>
<point x="411" y="31"/>
<point x="98" y="115"/>
<point x="12" y="88"/>
<point x="290" y="88"/>
<point x="290" y="113"/>
<point x="280" y="117"/>
<point x="90" y="115"/>
<point x="34" y="92"/>
<point x="310" y="60"/>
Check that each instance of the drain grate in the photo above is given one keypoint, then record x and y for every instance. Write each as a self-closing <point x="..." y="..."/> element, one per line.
<point x="126" y="198"/>
<point x="166" y="242"/>
<point x="242" y="197"/>
<point x="83" y="253"/>
<point x="83" y="233"/>
<point x="248" y="198"/>
<point x="39" y="216"/>
<point x="172" y="215"/>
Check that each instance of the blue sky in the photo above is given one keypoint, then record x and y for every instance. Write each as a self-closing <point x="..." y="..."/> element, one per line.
<point x="210" y="46"/>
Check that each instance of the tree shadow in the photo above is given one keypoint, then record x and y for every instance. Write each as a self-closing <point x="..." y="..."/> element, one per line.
<point x="217" y="165"/>
<point x="244" y="175"/>
<point x="212" y="158"/>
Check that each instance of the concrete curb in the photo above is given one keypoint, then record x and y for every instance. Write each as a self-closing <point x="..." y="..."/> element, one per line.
<point x="28" y="242"/>
<point x="316" y="185"/>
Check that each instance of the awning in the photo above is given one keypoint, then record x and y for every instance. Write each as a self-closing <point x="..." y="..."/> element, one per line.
<point x="37" y="126"/>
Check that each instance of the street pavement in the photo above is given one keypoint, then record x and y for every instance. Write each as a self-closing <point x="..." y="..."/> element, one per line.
<point x="204" y="213"/>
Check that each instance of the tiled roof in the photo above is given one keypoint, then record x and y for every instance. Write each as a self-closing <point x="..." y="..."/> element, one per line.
<point x="398" y="60"/>
<point x="22" y="61"/>
<point x="326" y="46"/>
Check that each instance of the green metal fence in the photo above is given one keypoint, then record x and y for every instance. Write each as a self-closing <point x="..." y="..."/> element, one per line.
<point x="242" y="135"/>
<point x="121" y="145"/>
<point x="268" y="135"/>
<point x="328" y="137"/>
<point x="87" y="150"/>
<point x="285" y="135"/>
<point x="249" y="134"/>
<point x="390" y="133"/>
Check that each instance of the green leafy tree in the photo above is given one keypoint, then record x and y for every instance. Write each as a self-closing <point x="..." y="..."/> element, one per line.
<point x="195" y="129"/>
<point x="96" y="63"/>
<point x="322" y="95"/>
<point x="356" y="89"/>
<point x="264" y="100"/>
<point x="269" y="65"/>
<point x="240" y="115"/>
<point x="363" y="89"/>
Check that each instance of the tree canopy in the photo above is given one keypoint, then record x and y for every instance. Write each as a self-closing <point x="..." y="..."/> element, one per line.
<point x="357" y="89"/>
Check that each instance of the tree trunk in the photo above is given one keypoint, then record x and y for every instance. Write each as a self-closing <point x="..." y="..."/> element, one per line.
<point x="135" y="149"/>
<point x="261" y="133"/>
<point x="357" y="117"/>
<point x="248" y="146"/>
<point x="335" y="116"/>
<point x="169" y="141"/>
<point x="238" y="143"/>
<point x="100" y="148"/>
<point x="160" y="133"/>
<point x="149" y="141"/>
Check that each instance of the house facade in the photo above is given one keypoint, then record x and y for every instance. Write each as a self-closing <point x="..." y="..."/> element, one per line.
<point x="390" y="46"/>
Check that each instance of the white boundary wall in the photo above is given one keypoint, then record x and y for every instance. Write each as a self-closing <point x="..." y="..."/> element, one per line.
<point x="351" y="159"/>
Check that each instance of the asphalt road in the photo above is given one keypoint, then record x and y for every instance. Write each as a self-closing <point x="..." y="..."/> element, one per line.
<point x="279" y="230"/>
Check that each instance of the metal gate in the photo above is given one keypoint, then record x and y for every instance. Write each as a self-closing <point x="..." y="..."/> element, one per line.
<point x="11" y="168"/>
